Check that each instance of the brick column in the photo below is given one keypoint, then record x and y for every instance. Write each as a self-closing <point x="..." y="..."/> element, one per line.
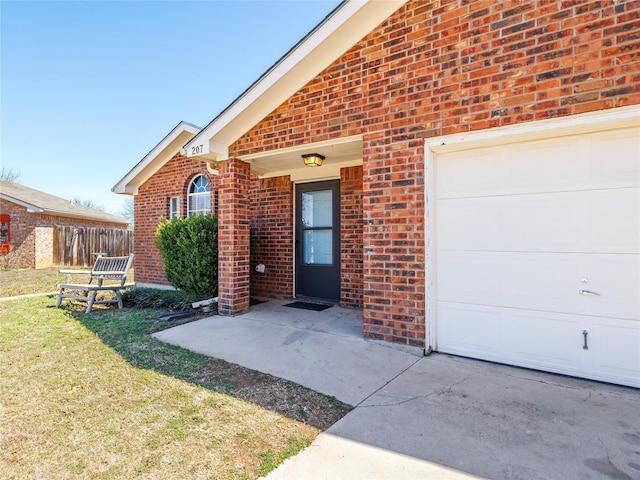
<point x="394" y="304"/>
<point x="233" y="237"/>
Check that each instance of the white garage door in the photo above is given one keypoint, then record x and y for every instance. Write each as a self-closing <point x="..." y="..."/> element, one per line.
<point x="537" y="254"/>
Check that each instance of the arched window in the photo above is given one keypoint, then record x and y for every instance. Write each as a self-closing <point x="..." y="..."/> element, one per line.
<point x="199" y="197"/>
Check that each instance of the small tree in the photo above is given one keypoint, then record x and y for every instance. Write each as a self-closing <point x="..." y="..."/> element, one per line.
<point x="89" y="203"/>
<point x="9" y="174"/>
<point x="127" y="209"/>
<point x="189" y="248"/>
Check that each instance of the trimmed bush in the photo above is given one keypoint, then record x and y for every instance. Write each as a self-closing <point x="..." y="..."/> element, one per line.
<point x="189" y="248"/>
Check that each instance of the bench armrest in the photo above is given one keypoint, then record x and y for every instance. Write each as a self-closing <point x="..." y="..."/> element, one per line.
<point x="79" y="272"/>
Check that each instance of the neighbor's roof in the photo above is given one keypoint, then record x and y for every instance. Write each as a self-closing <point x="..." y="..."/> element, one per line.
<point x="36" y="201"/>
<point x="156" y="158"/>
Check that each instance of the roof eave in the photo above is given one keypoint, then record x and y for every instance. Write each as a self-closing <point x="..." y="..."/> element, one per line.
<point x="57" y="213"/>
<point x="156" y="158"/>
<point x="346" y="26"/>
<point x="29" y="206"/>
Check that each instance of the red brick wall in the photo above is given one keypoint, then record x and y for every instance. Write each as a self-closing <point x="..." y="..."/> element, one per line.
<point x="151" y="205"/>
<point x="442" y="67"/>
<point x="234" y="256"/>
<point x="272" y="237"/>
<point x="23" y="235"/>
<point x="351" y="236"/>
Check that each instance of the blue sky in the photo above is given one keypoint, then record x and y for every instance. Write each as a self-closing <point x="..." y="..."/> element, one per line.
<point x="88" y="88"/>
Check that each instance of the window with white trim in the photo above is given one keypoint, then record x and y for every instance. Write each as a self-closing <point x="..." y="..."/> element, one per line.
<point x="199" y="197"/>
<point x="174" y="208"/>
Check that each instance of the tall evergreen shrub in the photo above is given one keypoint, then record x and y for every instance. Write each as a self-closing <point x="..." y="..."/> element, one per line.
<point x="189" y="248"/>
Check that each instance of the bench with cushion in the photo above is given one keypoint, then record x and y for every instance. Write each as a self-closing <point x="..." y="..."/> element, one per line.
<point x="108" y="273"/>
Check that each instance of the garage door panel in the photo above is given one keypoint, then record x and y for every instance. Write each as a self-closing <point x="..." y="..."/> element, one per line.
<point x="522" y="223"/>
<point x="539" y="340"/>
<point x="616" y="281"/>
<point x="616" y="212"/>
<point x="515" y="280"/>
<point x="465" y="175"/>
<point x="615" y="159"/>
<point x="545" y="341"/>
<point x="470" y="330"/>
<point x="547" y="165"/>
<point x="548" y="222"/>
<point x="472" y="224"/>
<point x="615" y="350"/>
<point x="470" y="277"/>
<point x="532" y="339"/>
<point x="540" y="282"/>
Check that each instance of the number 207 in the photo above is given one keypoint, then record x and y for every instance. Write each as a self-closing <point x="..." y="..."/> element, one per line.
<point x="196" y="150"/>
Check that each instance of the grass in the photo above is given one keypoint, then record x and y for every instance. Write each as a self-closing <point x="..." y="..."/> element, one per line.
<point x="15" y="281"/>
<point x="23" y="282"/>
<point x="95" y="396"/>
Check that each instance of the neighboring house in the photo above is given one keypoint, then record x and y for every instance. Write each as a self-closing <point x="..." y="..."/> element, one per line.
<point x="30" y="220"/>
<point x="479" y="193"/>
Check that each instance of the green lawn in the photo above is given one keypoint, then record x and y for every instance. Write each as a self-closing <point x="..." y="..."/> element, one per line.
<point x="95" y="396"/>
<point x="25" y="281"/>
<point x="15" y="281"/>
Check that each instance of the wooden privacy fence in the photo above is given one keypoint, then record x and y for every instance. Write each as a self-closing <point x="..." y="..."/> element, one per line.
<point x="79" y="246"/>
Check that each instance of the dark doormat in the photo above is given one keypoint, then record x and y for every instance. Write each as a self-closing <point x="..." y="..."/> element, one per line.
<point x="316" y="307"/>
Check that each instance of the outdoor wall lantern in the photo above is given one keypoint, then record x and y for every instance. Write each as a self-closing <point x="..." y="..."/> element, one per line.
<point x="312" y="159"/>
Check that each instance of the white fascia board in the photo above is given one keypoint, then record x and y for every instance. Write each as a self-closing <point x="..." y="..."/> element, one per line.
<point x="554" y="127"/>
<point x="31" y="208"/>
<point x="355" y="20"/>
<point x="156" y="158"/>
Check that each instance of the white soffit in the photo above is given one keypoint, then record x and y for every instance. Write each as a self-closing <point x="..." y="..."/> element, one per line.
<point x="156" y="158"/>
<point x="347" y="26"/>
<point x="338" y="153"/>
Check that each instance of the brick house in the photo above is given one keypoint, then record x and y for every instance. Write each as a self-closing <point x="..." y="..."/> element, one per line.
<point x="29" y="221"/>
<point x="479" y="193"/>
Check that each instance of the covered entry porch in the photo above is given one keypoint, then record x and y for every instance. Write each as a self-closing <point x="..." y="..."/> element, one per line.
<point x="287" y="230"/>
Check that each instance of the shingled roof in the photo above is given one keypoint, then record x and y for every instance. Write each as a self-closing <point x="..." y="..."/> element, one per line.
<point x="36" y="201"/>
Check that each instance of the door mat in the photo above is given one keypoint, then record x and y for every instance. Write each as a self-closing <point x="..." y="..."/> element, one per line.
<point x="316" y="307"/>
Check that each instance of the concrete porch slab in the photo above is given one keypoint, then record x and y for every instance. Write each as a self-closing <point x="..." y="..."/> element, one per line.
<point x="435" y="417"/>
<point x="324" y="350"/>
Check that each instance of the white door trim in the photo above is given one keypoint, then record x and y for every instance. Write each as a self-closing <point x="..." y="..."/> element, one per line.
<point x="575" y="124"/>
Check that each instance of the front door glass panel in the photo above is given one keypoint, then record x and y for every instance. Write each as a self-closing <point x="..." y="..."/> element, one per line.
<point x="317" y="227"/>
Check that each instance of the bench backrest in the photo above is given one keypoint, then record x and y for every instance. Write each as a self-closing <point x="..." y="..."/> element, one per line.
<point x="112" y="268"/>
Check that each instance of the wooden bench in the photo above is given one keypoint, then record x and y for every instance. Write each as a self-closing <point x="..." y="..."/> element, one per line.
<point x="108" y="273"/>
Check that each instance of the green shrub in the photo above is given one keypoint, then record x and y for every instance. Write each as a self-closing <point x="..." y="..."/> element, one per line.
<point x="156" y="298"/>
<point x="189" y="248"/>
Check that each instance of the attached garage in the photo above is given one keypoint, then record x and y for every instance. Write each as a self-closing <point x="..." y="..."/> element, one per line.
<point x="536" y="252"/>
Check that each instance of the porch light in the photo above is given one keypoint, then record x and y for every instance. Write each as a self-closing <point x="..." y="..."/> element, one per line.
<point x="312" y="159"/>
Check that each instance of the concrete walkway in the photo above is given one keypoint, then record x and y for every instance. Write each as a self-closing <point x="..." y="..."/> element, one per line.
<point x="434" y="417"/>
<point x="324" y="351"/>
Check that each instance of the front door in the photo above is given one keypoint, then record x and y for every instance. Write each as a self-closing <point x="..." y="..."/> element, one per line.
<point x="318" y="240"/>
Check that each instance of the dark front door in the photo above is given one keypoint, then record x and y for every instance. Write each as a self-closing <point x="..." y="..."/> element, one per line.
<point x="318" y="240"/>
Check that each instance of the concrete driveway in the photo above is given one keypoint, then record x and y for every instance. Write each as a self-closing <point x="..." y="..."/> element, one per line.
<point x="427" y="417"/>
